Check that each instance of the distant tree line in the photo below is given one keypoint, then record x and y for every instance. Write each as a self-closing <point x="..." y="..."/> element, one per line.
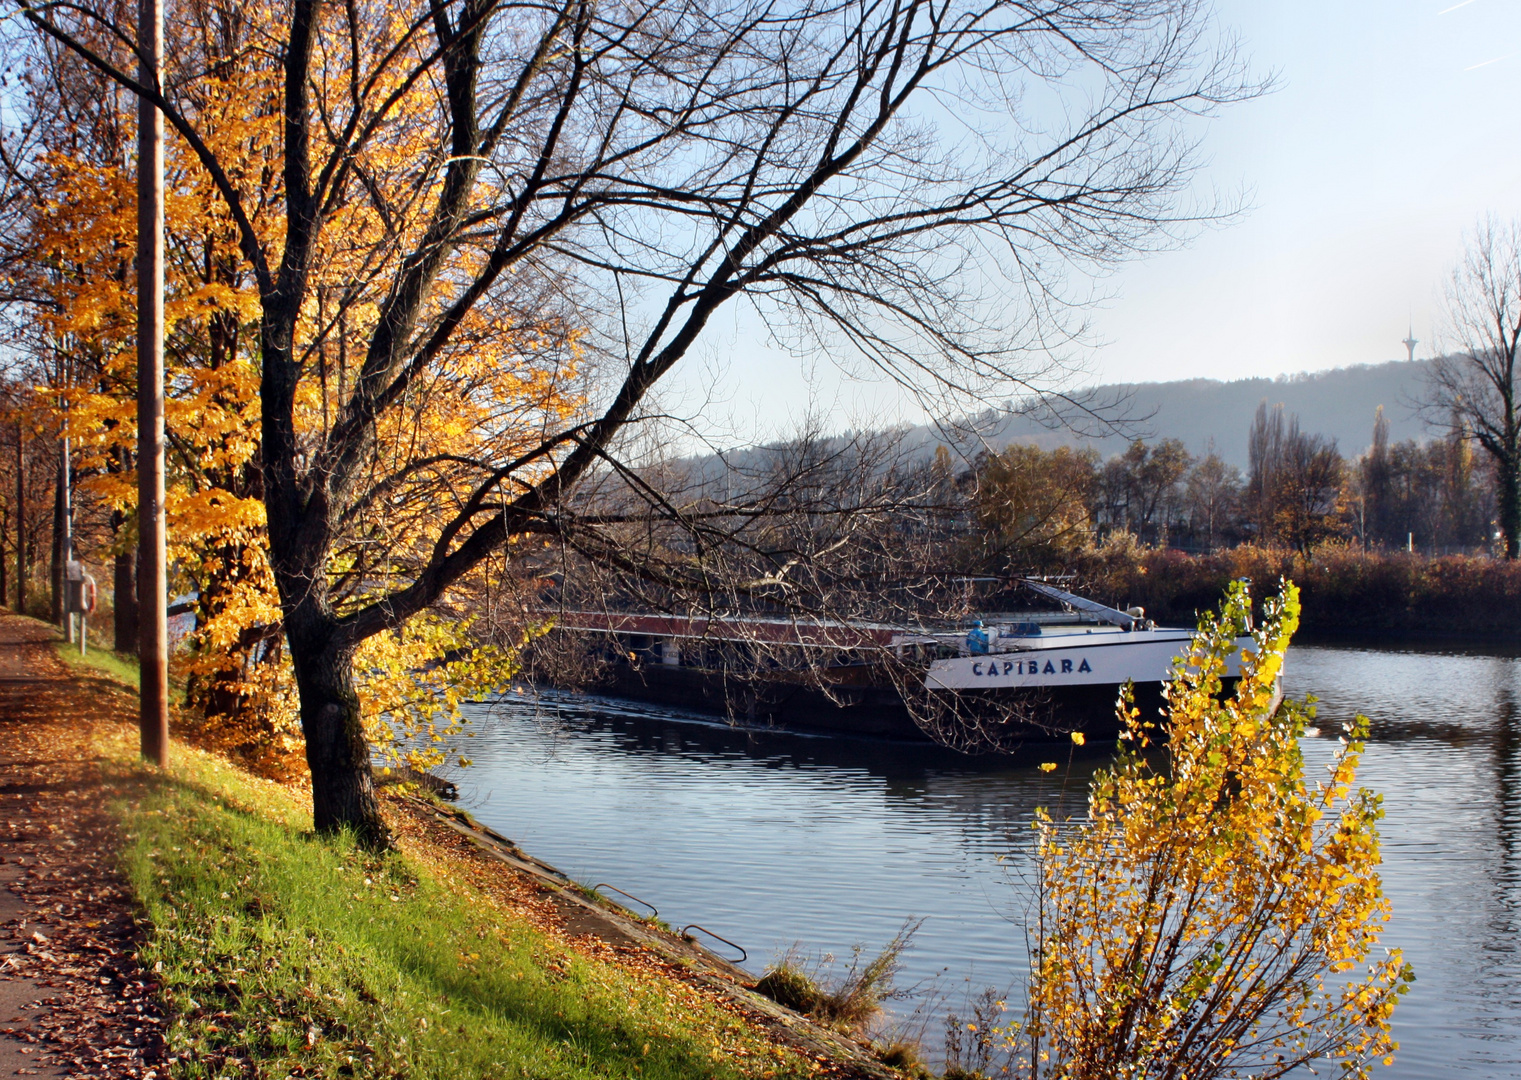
<point x="1040" y="507"/>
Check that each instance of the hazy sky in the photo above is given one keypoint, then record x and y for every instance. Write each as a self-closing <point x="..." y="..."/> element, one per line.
<point x="1393" y="128"/>
<point x="1392" y="131"/>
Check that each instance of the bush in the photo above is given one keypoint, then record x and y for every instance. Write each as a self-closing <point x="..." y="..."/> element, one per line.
<point x="1217" y="914"/>
<point x="848" y="1002"/>
<point x="791" y="987"/>
<point x="1345" y="590"/>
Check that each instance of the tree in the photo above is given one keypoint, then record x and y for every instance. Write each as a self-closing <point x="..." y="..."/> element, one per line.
<point x="1264" y="449"/>
<point x="1309" y="481"/>
<point x="1429" y="495"/>
<point x="1035" y="503"/>
<point x="68" y="272"/>
<point x="1147" y="479"/>
<point x="655" y="162"/>
<point x="1213" y="493"/>
<point x="1210" y="916"/>
<point x="1296" y="487"/>
<point x="1374" y="481"/>
<point x="67" y="252"/>
<point x="1472" y="389"/>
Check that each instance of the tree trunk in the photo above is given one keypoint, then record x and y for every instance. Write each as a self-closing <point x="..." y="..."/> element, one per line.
<point x="124" y="601"/>
<point x="343" y="785"/>
<point x="5" y="576"/>
<point x="1510" y="505"/>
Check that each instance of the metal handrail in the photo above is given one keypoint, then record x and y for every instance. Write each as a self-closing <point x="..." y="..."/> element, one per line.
<point x="654" y="911"/>
<point x="743" y="955"/>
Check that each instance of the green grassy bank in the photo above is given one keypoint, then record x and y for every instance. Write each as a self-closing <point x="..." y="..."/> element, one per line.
<point x="98" y="661"/>
<point x="282" y="954"/>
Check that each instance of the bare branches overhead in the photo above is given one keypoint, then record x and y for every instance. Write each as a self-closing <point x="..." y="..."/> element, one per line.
<point x="906" y="183"/>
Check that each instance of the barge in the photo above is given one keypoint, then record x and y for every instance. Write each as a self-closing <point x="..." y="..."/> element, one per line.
<point x="1005" y="680"/>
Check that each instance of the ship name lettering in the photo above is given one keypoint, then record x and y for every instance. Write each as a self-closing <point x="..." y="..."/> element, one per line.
<point x="1029" y="667"/>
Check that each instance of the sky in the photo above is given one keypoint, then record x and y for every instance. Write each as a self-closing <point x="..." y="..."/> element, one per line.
<point x="1391" y="131"/>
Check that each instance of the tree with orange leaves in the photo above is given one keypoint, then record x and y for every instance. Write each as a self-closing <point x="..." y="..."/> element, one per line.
<point x="453" y="166"/>
<point x="70" y="260"/>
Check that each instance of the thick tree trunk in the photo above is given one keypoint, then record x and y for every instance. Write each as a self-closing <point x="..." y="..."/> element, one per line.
<point x="1510" y="506"/>
<point x="124" y="601"/>
<point x="343" y="785"/>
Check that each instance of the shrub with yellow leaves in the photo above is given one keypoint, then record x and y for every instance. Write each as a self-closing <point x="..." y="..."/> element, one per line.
<point x="1215" y="915"/>
<point x="412" y="712"/>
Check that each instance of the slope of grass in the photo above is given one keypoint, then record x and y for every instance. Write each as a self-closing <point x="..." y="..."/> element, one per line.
<point x="99" y="660"/>
<point x="280" y="953"/>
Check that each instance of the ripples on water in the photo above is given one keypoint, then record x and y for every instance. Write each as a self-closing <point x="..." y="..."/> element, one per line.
<point x="777" y="840"/>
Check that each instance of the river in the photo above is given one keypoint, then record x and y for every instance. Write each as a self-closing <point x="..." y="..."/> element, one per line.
<point x="779" y="841"/>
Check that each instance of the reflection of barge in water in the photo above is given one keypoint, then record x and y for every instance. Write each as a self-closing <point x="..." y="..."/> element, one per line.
<point x="1019" y="677"/>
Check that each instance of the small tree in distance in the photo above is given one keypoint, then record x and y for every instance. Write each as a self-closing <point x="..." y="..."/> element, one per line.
<point x="1210" y="917"/>
<point x="1034" y="504"/>
<point x="1214" y="496"/>
<point x="1294" y="489"/>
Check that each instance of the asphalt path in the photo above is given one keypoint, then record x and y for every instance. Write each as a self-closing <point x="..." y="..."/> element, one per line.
<point x="73" y="1001"/>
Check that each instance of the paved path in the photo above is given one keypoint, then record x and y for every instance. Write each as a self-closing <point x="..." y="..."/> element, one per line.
<point x="72" y="999"/>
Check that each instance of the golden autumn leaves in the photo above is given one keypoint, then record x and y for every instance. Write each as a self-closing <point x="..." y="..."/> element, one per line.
<point x="1216" y="913"/>
<point x="488" y="397"/>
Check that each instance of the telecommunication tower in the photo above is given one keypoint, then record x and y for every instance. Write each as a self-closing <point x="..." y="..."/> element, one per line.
<point x="1410" y="343"/>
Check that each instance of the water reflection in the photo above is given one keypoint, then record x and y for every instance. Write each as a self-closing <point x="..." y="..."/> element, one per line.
<point x="1444" y="753"/>
<point x="774" y="839"/>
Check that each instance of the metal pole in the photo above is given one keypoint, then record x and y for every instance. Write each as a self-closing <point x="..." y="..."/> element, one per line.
<point x="153" y="629"/>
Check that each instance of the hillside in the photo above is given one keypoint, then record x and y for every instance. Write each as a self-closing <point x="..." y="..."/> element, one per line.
<point x="1339" y="403"/>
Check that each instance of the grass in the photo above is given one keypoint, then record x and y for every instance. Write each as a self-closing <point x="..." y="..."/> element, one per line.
<point x="119" y="667"/>
<point x="847" y="1001"/>
<point x="281" y="953"/>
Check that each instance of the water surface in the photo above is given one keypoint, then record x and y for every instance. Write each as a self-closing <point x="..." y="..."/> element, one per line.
<point x="780" y="841"/>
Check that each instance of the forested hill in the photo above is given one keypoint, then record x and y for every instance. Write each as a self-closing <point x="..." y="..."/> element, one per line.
<point x="1339" y="403"/>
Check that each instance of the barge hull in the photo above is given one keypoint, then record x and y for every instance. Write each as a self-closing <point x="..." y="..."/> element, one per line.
<point x="868" y="711"/>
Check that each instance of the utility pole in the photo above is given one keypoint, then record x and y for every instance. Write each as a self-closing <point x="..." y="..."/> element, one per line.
<point x="66" y="536"/>
<point x="66" y="502"/>
<point x="20" y="521"/>
<point x="153" y="615"/>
